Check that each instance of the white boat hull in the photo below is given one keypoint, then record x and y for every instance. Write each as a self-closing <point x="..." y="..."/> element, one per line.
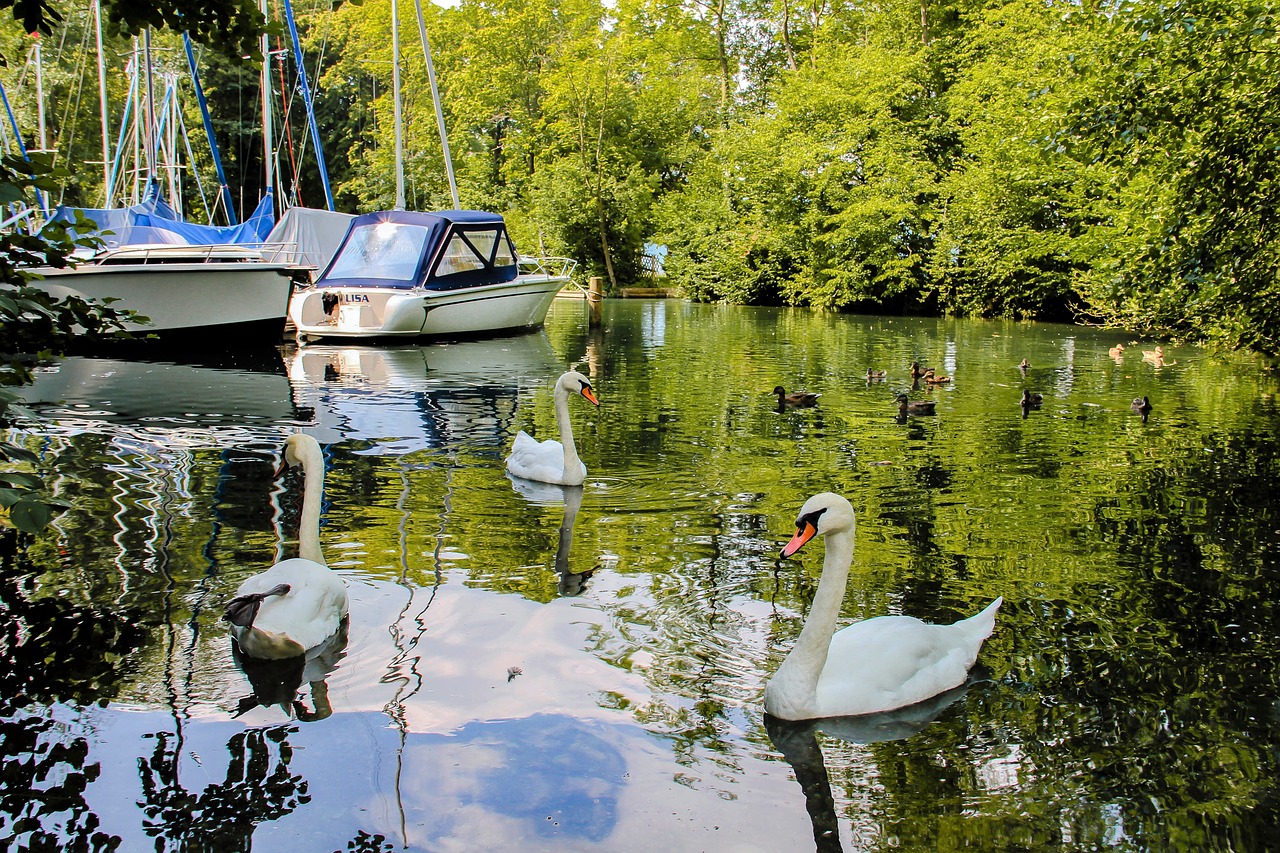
<point x="375" y="312"/>
<point x="245" y="302"/>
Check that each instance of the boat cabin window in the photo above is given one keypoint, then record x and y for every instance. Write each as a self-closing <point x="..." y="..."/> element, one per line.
<point x="473" y="249"/>
<point x="385" y="250"/>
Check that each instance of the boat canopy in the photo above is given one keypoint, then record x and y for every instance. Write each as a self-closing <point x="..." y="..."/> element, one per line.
<point x="153" y="221"/>
<point x="439" y="251"/>
<point x="308" y="236"/>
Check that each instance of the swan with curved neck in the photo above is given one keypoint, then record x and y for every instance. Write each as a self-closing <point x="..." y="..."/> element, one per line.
<point x="554" y="461"/>
<point x="872" y="666"/>
<point x="298" y="603"/>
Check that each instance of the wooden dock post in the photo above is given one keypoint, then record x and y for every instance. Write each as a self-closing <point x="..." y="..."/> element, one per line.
<point x="595" y="301"/>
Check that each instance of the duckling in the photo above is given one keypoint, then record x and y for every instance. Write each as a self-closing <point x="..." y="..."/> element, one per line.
<point x="1031" y="401"/>
<point x="1142" y="406"/>
<point x="917" y="371"/>
<point x="875" y="374"/>
<point x="933" y="379"/>
<point x="907" y="406"/>
<point x="1153" y="355"/>
<point x="1116" y="351"/>
<point x="796" y="399"/>
<point x="1025" y="366"/>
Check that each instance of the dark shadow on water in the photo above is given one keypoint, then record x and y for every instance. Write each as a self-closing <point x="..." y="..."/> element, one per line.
<point x="571" y="583"/>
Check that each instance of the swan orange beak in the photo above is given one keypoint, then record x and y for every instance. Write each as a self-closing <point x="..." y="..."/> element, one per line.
<point x="587" y="392"/>
<point x="803" y="535"/>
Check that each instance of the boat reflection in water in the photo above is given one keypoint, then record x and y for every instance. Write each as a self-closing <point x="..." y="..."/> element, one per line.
<point x="409" y="398"/>
<point x="165" y="403"/>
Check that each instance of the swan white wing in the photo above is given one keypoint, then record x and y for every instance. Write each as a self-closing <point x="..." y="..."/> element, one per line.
<point x="310" y="612"/>
<point x="536" y="460"/>
<point x="891" y="662"/>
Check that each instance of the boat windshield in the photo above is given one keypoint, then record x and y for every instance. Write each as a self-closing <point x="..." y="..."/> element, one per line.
<point x="381" y="250"/>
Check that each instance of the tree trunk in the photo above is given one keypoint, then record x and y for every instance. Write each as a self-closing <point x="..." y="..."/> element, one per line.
<point x="786" y="34"/>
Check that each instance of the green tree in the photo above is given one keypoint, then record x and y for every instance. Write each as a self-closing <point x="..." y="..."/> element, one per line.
<point x="1184" y="111"/>
<point x="834" y="186"/>
<point x="1014" y="210"/>
<point x="232" y="26"/>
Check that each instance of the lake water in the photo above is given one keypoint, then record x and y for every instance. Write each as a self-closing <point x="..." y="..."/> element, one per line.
<point x="548" y="669"/>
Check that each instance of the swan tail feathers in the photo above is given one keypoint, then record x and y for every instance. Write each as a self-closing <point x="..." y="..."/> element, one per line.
<point x="243" y="609"/>
<point x="983" y="623"/>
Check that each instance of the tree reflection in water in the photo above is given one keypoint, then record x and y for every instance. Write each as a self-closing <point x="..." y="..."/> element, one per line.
<point x="259" y="787"/>
<point x="51" y="650"/>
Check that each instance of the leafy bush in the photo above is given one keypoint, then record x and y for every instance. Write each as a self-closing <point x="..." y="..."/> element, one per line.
<point x="34" y="324"/>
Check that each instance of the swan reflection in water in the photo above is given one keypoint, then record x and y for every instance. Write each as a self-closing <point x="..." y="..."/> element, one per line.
<point x="571" y="583"/>
<point x="798" y="743"/>
<point x="278" y="682"/>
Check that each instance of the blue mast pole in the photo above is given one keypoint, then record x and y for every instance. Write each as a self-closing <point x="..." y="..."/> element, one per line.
<point x="17" y="135"/>
<point x="208" y="131"/>
<point x="306" y="99"/>
<point x="124" y="126"/>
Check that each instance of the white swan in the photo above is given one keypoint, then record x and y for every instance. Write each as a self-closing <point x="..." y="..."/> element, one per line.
<point x="872" y="666"/>
<point x="299" y="603"/>
<point x="554" y="461"/>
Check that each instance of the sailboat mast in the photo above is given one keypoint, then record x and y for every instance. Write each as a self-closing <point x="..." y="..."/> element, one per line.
<point x="40" y="126"/>
<point x="395" y="92"/>
<point x="102" y="106"/>
<point x="435" y="99"/>
<point x="268" y="158"/>
<point x="151" y="107"/>
<point x="306" y="100"/>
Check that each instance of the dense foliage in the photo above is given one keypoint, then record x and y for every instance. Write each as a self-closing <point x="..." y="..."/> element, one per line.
<point x="1107" y="161"/>
<point x="32" y="323"/>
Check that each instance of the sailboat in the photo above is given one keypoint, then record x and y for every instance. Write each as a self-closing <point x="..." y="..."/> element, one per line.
<point x="192" y="282"/>
<point x="443" y="274"/>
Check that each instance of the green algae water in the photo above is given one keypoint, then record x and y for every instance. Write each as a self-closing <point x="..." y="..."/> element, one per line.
<point x="537" y="668"/>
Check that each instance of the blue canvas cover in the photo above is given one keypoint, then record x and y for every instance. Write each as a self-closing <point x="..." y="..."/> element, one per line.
<point x="154" y="221"/>
<point x="439" y="251"/>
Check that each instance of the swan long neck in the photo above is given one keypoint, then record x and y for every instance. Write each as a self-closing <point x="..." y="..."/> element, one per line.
<point x="803" y="666"/>
<point x="572" y="464"/>
<point x="312" y="498"/>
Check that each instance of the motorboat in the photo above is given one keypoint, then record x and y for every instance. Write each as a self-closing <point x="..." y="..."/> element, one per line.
<point x="406" y="274"/>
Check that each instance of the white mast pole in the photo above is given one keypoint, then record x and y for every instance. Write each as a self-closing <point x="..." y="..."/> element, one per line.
<point x="102" y="106"/>
<point x="268" y="151"/>
<point x="395" y="91"/>
<point x="44" y="140"/>
<point x="435" y="98"/>
<point x="152" y="141"/>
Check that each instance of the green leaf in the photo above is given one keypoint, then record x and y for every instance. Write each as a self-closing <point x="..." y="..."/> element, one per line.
<point x="19" y="481"/>
<point x="29" y="516"/>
